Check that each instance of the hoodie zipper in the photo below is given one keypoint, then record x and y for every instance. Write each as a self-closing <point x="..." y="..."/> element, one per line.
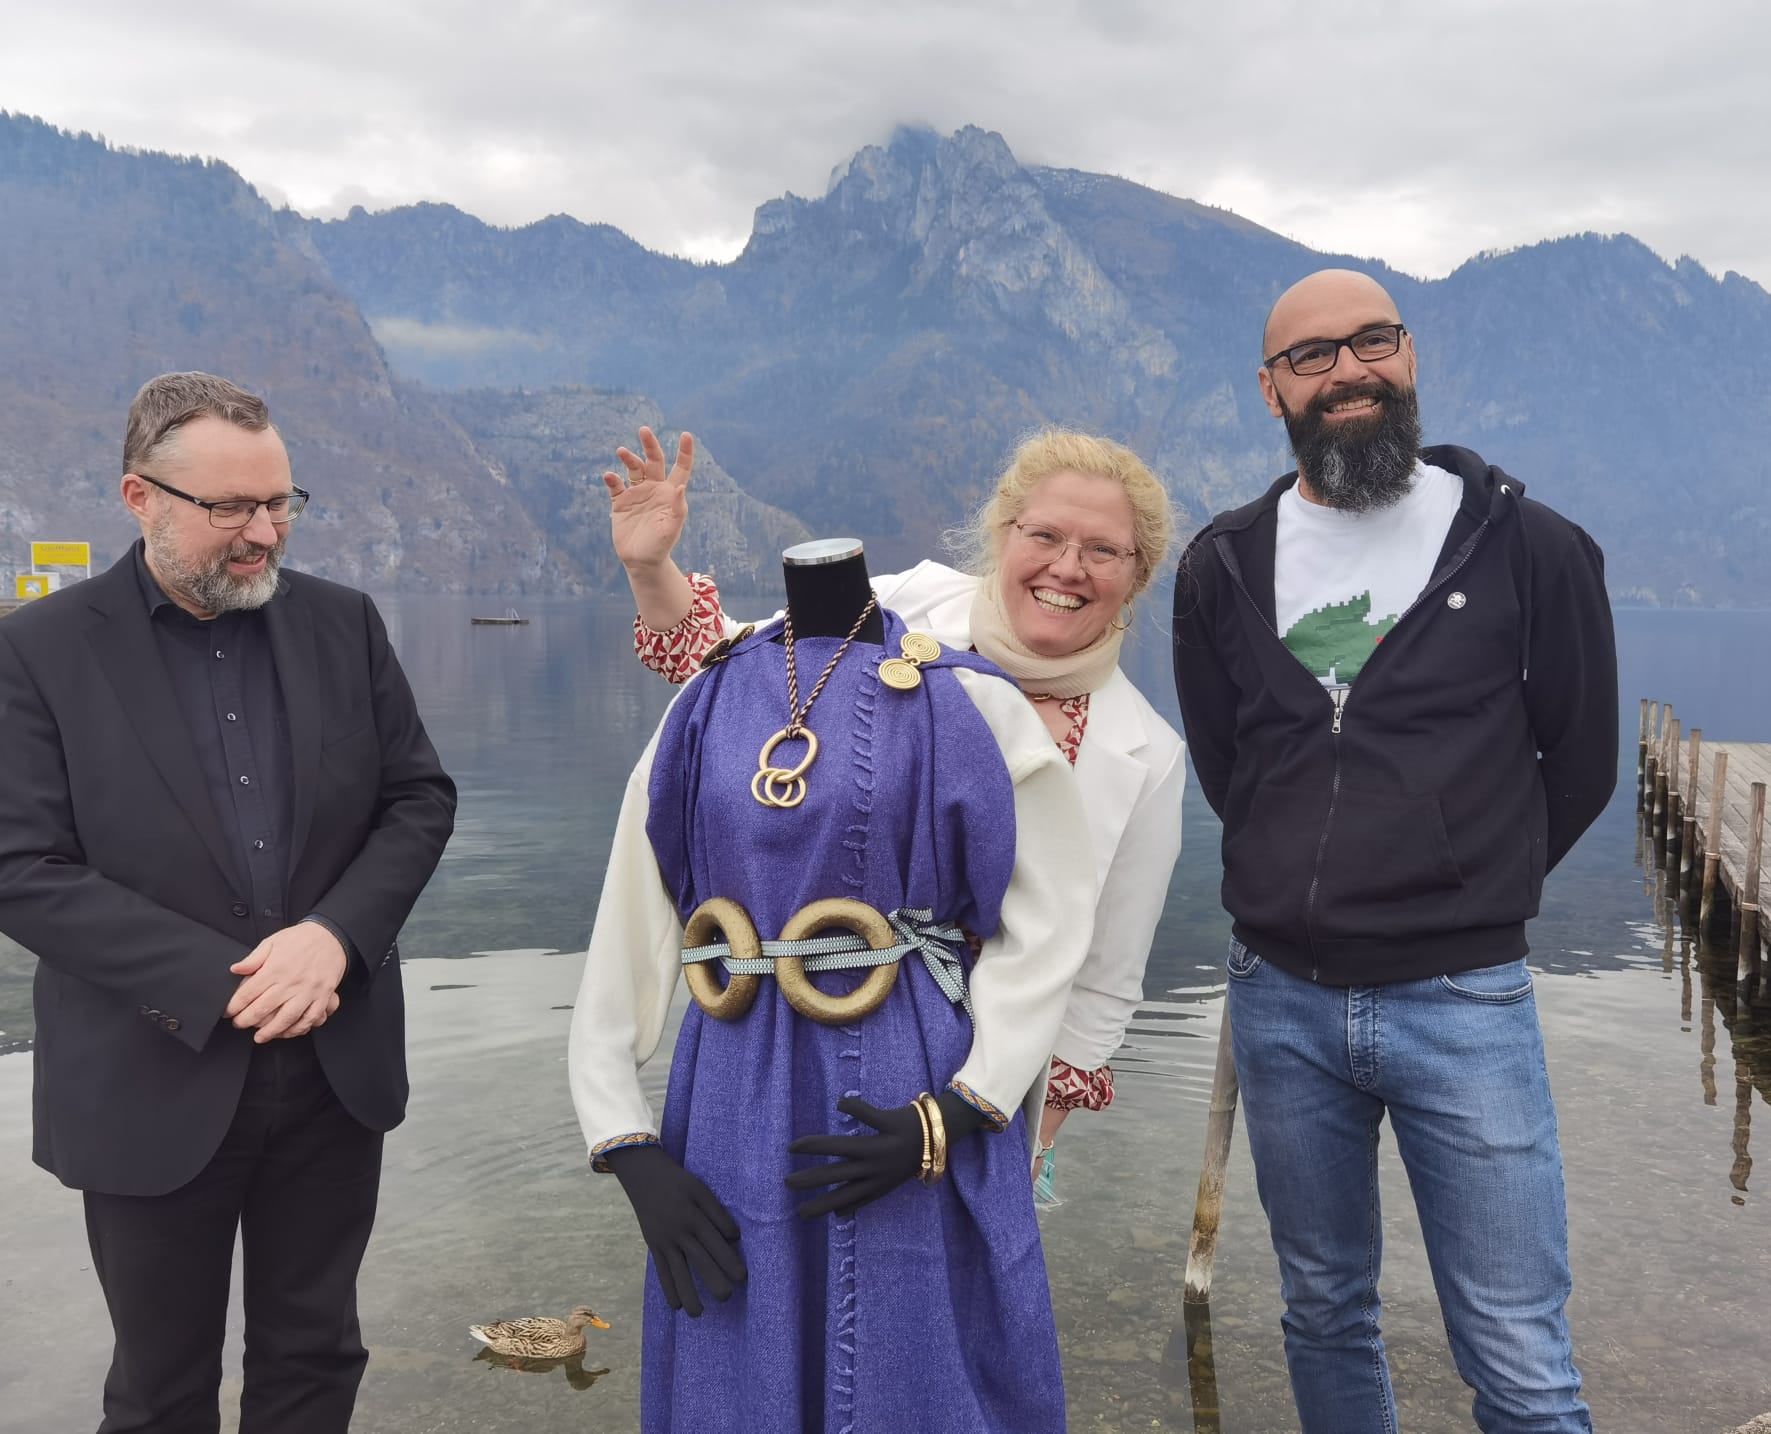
<point x="1339" y="698"/>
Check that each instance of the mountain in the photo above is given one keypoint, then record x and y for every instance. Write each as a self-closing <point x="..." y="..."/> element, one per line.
<point x="870" y="357"/>
<point x="451" y="390"/>
<point x="542" y="443"/>
<point x="1633" y="394"/>
<point x="115" y="266"/>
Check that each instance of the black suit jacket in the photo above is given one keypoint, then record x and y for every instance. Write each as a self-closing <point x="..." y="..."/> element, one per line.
<point x="114" y="872"/>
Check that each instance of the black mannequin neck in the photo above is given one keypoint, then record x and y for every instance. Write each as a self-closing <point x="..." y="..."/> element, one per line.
<point x="824" y="599"/>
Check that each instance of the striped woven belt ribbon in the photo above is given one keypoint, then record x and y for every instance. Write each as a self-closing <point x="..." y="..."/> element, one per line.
<point x="918" y="934"/>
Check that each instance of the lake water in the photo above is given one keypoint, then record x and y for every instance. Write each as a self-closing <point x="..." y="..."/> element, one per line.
<point x="488" y="1210"/>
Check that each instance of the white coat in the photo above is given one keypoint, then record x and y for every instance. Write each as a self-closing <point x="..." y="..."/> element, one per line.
<point x="1132" y="770"/>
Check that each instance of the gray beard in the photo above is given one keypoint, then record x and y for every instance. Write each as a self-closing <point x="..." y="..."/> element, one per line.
<point x="1365" y="469"/>
<point x="210" y="587"/>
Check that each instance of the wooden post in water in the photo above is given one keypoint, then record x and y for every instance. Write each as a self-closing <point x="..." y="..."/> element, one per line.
<point x="1749" y="883"/>
<point x="1688" y="837"/>
<point x="1642" y="755"/>
<point x="1675" y="818"/>
<point x="1651" y="765"/>
<point x="1666" y="712"/>
<point x="1712" y="845"/>
<point x="1220" y="1123"/>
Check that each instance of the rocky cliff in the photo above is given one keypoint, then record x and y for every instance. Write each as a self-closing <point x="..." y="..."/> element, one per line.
<point x="873" y="352"/>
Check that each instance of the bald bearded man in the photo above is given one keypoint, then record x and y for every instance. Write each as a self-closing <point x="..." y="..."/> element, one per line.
<point x="1399" y="685"/>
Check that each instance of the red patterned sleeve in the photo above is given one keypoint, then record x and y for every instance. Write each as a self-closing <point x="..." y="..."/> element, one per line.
<point x="1067" y="1088"/>
<point x="675" y="654"/>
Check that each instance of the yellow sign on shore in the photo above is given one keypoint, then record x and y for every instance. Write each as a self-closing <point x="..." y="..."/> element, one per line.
<point x="32" y="585"/>
<point x="58" y="555"/>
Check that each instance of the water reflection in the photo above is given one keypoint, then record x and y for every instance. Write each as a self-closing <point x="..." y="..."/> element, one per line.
<point x="577" y="1376"/>
<point x="1189" y="1366"/>
<point x="1725" y="982"/>
<point x="486" y="1197"/>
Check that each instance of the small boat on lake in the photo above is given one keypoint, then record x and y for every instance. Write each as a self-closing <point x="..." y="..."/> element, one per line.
<point x="510" y="619"/>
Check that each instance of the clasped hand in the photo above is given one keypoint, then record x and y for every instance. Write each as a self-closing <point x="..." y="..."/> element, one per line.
<point x="291" y="982"/>
<point x="867" y="1166"/>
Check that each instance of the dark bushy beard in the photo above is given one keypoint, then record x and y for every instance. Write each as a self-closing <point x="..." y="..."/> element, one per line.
<point x="208" y="584"/>
<point x="1361" y="466"/>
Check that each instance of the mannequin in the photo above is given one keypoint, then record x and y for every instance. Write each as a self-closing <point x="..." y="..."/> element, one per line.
<point x="826" y="585"/>
<point x="684" y="1224"/>
<point x="784" y="1130"/>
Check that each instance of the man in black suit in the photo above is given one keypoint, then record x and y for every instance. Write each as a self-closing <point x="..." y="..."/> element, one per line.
<point x="217" y="807"/>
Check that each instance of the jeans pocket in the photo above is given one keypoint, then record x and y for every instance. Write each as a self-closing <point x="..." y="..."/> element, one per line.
<point x="1242" y="963"/>
<point x="1496" y="985"/>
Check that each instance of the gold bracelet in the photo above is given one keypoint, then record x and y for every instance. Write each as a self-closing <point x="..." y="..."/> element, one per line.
<point x="922" y="1118"/>
<point x="937" y="1126"/>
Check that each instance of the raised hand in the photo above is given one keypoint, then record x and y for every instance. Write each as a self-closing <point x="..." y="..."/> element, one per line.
<point x="648" y="506"/>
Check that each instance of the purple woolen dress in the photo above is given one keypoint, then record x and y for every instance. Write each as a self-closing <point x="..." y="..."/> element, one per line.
<point x="928" y="1310"/>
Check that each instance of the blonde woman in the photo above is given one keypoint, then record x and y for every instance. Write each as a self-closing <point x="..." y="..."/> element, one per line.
<point x="1067" y="542"/>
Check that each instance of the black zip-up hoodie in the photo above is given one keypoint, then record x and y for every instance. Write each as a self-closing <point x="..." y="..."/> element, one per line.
<point x="1404" y="831"/>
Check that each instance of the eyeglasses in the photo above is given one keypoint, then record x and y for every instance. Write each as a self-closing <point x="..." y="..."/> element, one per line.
<point x="1320" y="355"/>
<point x="1097" y="554"/>
<point x="238" y="512"/>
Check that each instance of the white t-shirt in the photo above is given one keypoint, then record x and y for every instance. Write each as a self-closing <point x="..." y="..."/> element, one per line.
<point x="1340" y="580"/>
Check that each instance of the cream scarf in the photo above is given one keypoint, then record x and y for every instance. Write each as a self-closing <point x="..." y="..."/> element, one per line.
<point x="1068" y="676"/>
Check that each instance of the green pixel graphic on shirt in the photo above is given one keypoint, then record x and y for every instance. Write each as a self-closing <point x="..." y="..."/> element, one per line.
<point x="1334" y="640"/>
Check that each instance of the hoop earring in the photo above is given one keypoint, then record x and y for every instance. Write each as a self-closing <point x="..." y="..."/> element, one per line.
<point x="1130" y="612"/>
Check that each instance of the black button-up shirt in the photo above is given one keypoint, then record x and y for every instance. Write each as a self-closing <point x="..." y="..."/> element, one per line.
<point x="225" y="678"/>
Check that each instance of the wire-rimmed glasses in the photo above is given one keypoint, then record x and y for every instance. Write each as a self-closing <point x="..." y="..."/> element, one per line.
<point x="1097" y="554"/>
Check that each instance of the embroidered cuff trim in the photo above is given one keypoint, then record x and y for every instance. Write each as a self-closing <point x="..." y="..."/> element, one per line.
<point x="603" y="1148"/>
<point x="998" y="1121"/>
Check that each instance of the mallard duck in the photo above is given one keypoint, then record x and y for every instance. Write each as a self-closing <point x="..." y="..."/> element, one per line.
<point x="538" y="1338"/>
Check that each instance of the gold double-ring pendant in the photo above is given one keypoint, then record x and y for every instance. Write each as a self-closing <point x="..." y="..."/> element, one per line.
<point x="733" y="1000"/>
<point x="723" y="915"/>
<point x="783" y="786"/>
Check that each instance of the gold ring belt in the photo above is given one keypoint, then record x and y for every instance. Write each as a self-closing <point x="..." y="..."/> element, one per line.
<point x="731" y="1001"/>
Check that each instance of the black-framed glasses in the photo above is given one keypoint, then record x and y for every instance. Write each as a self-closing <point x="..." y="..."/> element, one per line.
<point x="1320" y="355"/>
<point x="238" y="512"/>
<point x="1096" y="553"/>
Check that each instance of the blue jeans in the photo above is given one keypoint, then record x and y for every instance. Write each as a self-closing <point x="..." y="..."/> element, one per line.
<point x="1458" y="1063"/>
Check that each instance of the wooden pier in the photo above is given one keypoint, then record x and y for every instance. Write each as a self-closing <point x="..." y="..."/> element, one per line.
<point x="1703" y="805"/>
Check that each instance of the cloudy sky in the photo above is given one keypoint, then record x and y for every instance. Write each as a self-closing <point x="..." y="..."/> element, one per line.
<point x="1418" y="131"/>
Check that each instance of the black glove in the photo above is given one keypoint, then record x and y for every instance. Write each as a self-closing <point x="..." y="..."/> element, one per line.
<point x="685" y="1226"/>
<point x="869" y="1166"/>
